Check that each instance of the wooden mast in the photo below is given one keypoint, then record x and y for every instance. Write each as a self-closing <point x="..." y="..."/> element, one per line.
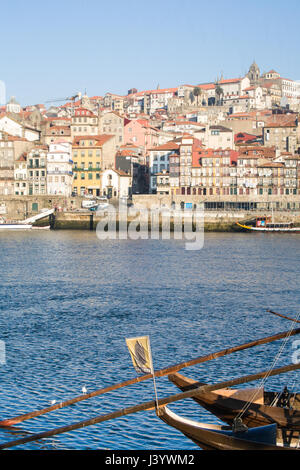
<point x="284" y="316"/>
<point x="148" y="405"/>
<point x="158" y="373"/>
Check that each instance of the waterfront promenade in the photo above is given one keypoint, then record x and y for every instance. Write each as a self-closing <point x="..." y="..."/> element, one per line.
<point x="219" y="214"/>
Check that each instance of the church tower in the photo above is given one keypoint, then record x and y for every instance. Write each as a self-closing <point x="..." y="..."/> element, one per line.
<point x="253" y="74"/>
<point x="13" y="106"/>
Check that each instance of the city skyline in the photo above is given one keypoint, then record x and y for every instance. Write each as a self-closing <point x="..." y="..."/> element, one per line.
<point x="60" y="50"/>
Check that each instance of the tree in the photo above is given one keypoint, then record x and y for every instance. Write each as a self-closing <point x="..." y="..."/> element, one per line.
<point x="218" y="92"/>
<point x="197" y="92"/>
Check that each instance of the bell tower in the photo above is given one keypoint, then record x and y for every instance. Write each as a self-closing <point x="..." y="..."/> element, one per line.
<point x="253" y="74"/>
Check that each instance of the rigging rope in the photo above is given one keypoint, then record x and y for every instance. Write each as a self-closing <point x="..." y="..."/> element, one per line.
<point x="263" y="380"/>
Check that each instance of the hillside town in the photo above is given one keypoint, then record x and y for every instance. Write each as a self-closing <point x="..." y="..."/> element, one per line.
<point x="230" y="140"/>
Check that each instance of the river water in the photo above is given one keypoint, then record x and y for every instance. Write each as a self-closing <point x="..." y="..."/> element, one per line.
<point x="68" y="301"/>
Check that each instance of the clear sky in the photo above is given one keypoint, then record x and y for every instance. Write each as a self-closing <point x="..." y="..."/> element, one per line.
<point x="53" y="49"/>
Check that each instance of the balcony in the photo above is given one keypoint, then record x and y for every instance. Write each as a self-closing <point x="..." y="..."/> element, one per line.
<point x="36" y="166"/>
<point x="86" y="169"/>
<point x="60" y="172"/>
<point x="38" y="179"/>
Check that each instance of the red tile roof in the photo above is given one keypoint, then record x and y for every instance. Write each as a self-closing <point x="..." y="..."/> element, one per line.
<point x="282" y="120"/>
<point x="167" y="146"/>
<point x="98" y="140"/>
<point x="207" y="86"/>
<point x="229" y="80"/>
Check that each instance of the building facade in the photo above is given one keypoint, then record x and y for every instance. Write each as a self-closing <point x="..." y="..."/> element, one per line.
<point x="37" y="170"/>
<point x="84" y="122"/>
<point x="59" y="169"/>
<point x="91" y="155"/>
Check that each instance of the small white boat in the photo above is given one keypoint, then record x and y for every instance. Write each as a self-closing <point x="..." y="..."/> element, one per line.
<point x="20" y="225"/>
<point x="15" y="226"/>
<point x="46" y="227"/>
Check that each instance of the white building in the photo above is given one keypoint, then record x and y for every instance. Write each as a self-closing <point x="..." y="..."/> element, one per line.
<point x="20" y="176"/>
<point x="234" y="86"/>
<point x="59" y="168"/>
<point x="158" y="161"/>
<point x="159" y="98"/>
<point x="290" y="88"/>
<point x="13" y="106"/>
<point x="116" y="184"/>
<point x="218" y="137"/>
<point x="13" y="127"/>
<point x="84" y="122"/>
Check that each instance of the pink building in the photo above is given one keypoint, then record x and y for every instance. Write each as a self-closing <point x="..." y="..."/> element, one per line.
<point x="141" y="135"/>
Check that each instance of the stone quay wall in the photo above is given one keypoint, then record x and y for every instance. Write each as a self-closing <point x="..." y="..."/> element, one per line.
<point x="70" y="215"/>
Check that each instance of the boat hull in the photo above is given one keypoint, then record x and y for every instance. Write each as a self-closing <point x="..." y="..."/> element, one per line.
<point x="213" y="437"/>
<point x="268" y="229"/>
<point x="15" y="226"/>
<point x="227" y="407"/>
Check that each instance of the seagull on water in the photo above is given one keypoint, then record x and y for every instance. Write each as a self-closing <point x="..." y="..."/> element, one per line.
<point x="84" y="390"/>
<point x="53" y="402"/>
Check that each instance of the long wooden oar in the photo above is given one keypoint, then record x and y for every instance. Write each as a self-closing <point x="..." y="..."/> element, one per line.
<point x="148" y="406"/>
<point x="158" y="373"/>
<point x="284" y="316"/>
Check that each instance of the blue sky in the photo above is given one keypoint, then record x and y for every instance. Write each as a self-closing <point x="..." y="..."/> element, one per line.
<point x="54" y="50"/>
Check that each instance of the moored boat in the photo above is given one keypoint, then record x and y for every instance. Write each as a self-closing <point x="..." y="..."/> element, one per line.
<point x="267" y="224"/>
<point x="46" y="227"/>
<point x="258" y="407"/>
<point x="15" y="226"/>
<point x="219" y="437"/>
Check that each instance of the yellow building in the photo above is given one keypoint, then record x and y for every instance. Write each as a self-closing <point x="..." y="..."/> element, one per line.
<point x="91" y="155"/>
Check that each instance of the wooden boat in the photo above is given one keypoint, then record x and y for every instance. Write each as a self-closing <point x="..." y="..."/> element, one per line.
<point x="267" y="224"/>
<point x="218" y="437"/>
<point x="254" y="404"/>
